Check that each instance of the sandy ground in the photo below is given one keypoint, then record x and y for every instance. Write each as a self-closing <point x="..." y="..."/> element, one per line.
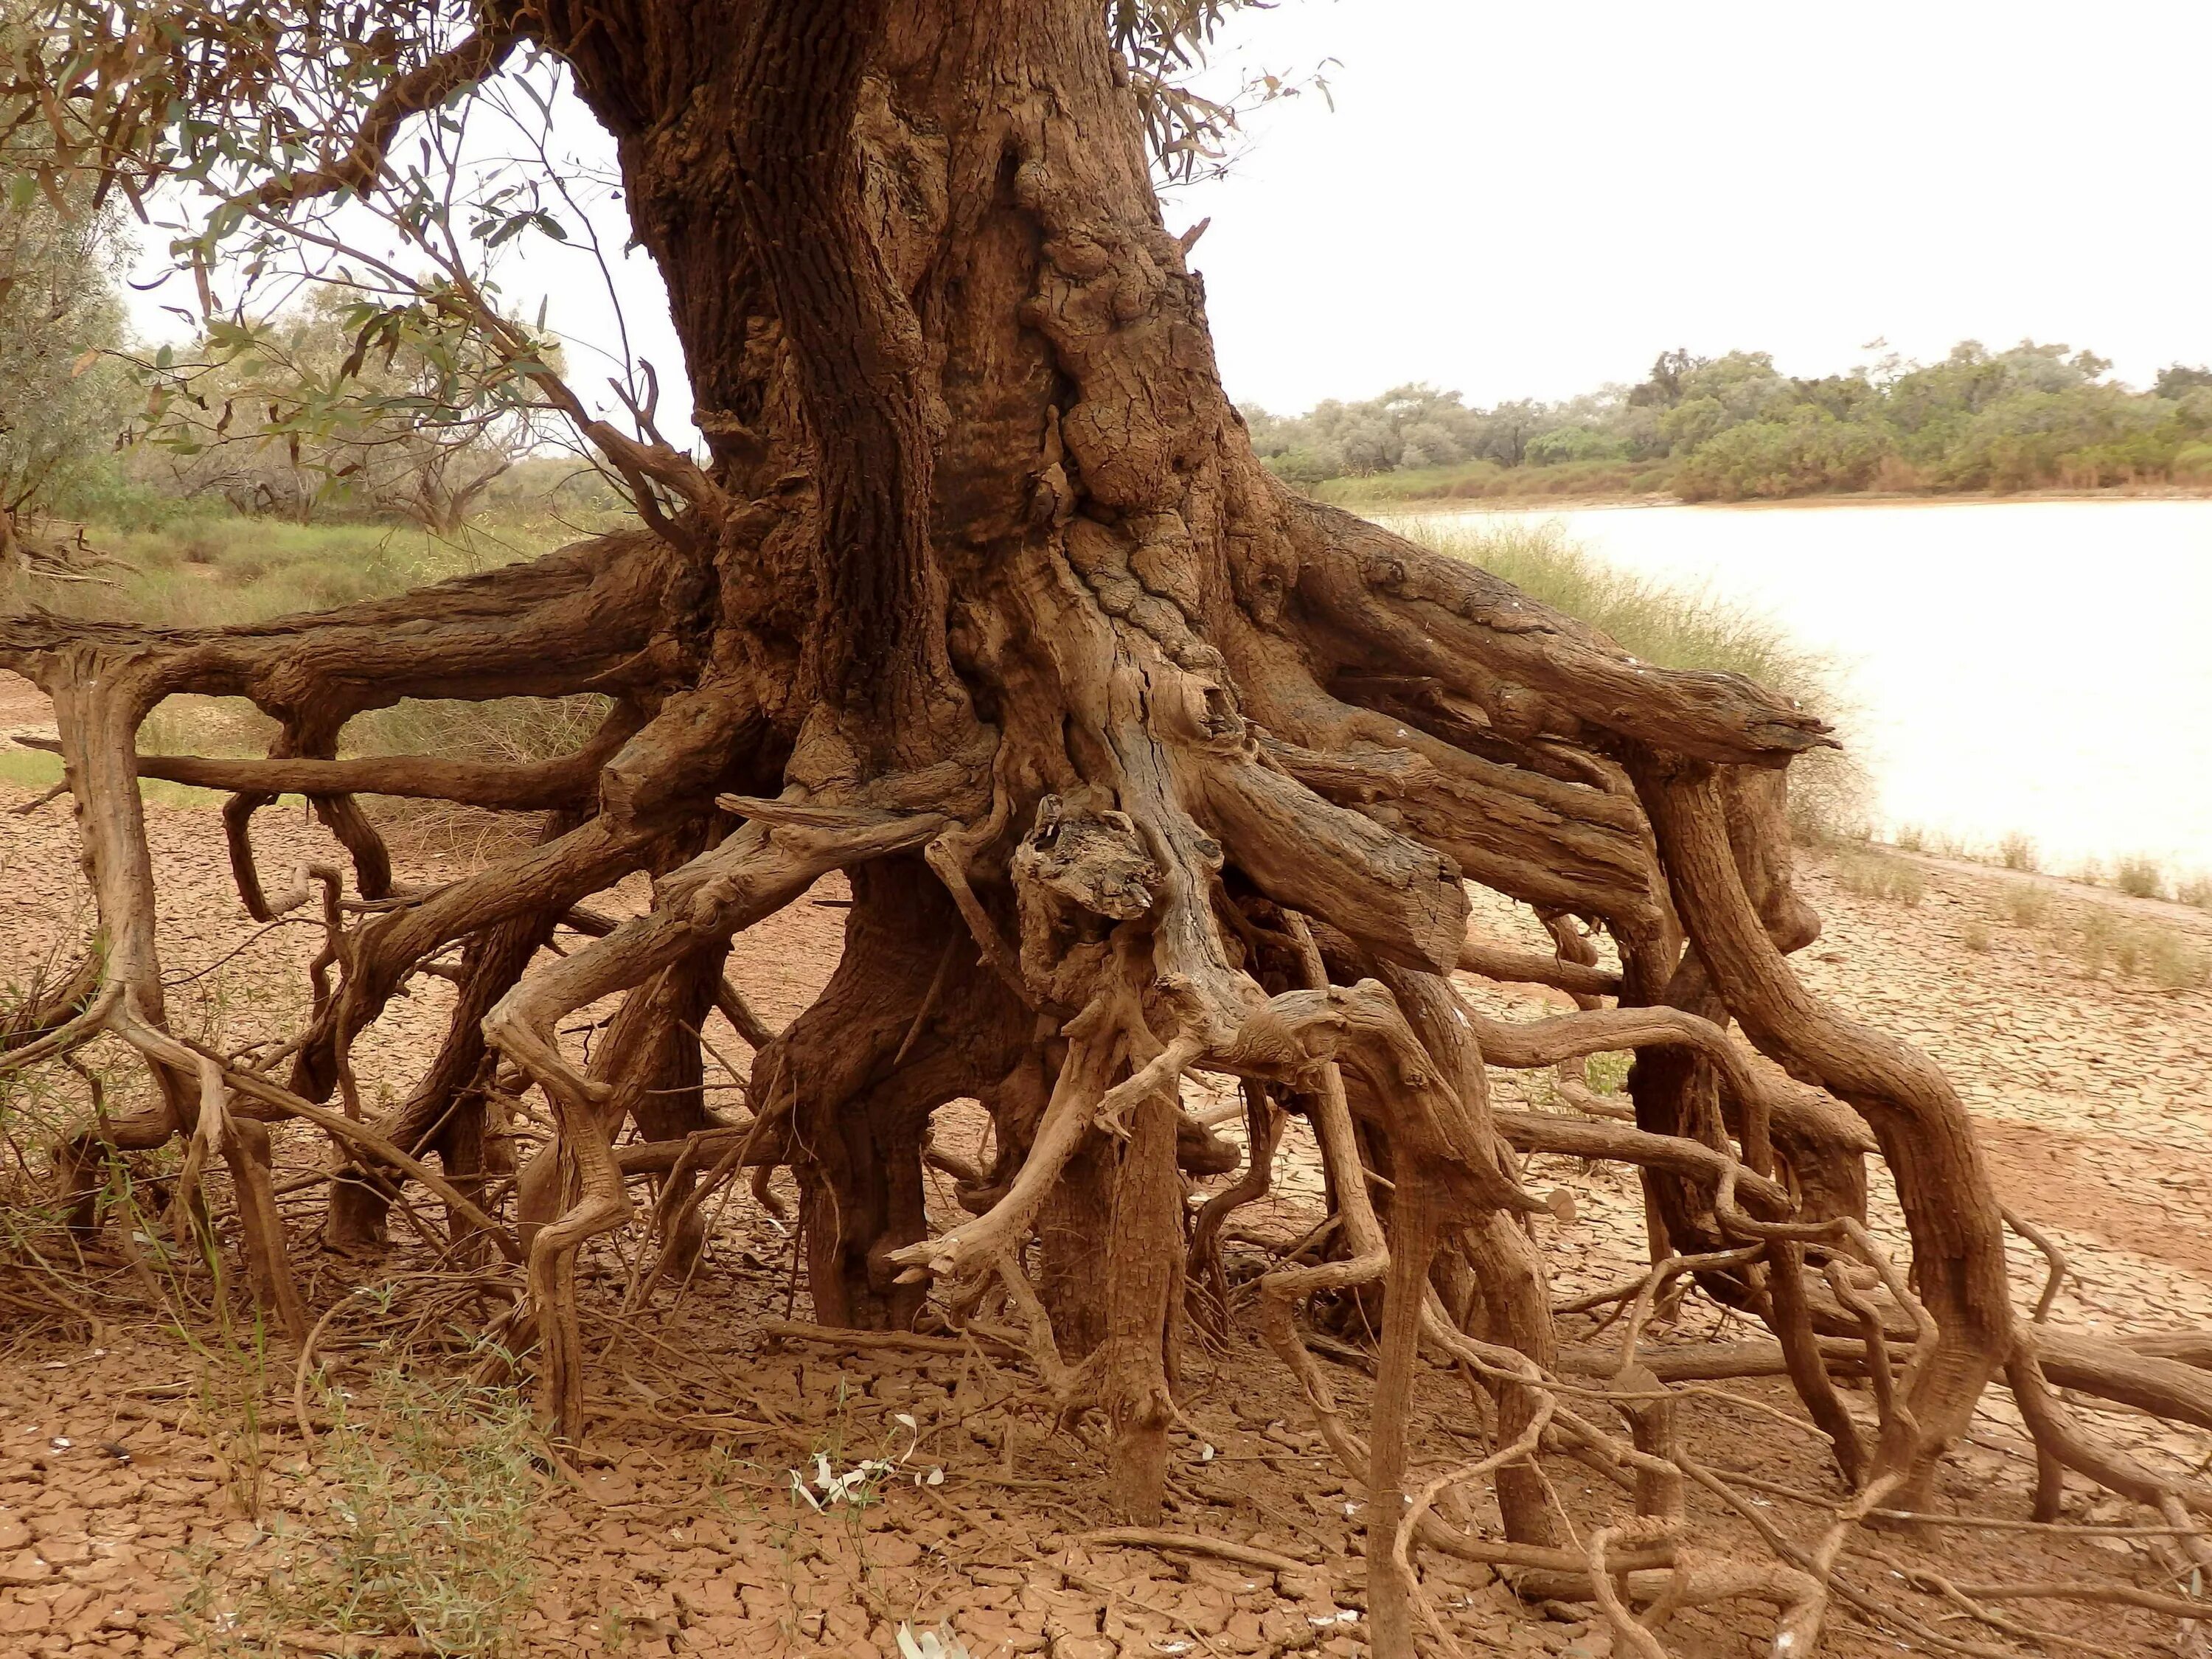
<point x="155" y="1491"/>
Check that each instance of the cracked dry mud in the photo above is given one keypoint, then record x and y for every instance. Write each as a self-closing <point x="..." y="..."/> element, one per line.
<point x="123" y="1462"/>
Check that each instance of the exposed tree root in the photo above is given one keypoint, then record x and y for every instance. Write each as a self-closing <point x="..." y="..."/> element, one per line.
<point x="1136" y="763"/>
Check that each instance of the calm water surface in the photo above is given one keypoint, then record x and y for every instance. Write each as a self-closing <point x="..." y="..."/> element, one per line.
<point x="2044" y="667"/>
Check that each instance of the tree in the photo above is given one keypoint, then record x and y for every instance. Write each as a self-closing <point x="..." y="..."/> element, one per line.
<point x="1663" y="387"/>
<point x="360" y="405"/>
<point x="1575" y="443"/>
<point x="60" y="395"/>
<point x="1810" y="452"/>
<point x="2176" y="380"/>
<point x="1136" y="762"/>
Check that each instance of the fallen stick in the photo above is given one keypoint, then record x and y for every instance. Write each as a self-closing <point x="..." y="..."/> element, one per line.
<point x="1188" y="1543"/>
<point x="829" y="1336"/>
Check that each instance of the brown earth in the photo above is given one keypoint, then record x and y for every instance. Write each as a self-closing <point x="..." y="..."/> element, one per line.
<point x="156" y="1493"/>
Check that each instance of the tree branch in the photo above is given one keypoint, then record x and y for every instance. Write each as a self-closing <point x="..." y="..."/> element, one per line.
<point x="421" y="89"/>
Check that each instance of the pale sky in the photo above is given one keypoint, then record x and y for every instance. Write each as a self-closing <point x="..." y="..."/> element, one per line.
<point x="1531" y="200"/>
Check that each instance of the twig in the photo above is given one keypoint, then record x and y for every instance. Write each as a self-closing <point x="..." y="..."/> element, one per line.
<point x="1160" y="1538"/>
<point x="798" y="1330"/>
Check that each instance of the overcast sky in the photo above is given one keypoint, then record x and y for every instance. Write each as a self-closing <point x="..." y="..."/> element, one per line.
<point x="1530" y="200"/>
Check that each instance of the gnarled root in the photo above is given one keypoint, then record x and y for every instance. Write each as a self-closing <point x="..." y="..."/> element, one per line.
<point x="1113" y="810"/>
<point x="757" y="871"/>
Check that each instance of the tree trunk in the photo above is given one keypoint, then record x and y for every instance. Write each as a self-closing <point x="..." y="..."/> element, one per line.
<point x="983" y="597"/>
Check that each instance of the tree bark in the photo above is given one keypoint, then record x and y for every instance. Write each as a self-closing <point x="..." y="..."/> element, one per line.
<point x="983" y="598"/>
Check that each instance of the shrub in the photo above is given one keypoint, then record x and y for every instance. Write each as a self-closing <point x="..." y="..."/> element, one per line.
<point x="1975" y="936"/>
<point x="1575" y="443"/>
<point x="1805" y="454"/>
<point x="2019" y="852"/>
<point x="422" y="1533"/>
<point x="2192" y="464"/>
<point x="2027" y="907"/>
<point x="1876" y="875"/>
<point x="2140" y="877"/>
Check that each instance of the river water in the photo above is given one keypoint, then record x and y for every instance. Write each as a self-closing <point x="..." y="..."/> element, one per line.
<point x="2036" y="666"/>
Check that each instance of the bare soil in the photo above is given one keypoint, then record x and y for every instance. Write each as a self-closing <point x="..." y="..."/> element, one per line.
<point x="146" y="1491"/>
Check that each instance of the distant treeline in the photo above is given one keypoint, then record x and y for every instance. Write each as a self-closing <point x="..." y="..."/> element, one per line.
<point x="1732" y="428"/>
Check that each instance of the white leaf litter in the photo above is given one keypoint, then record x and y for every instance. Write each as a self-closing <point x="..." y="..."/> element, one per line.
<point x="939" y="1644"/>
<point x="857" y="1485"/>
<point x="853" y="1486"/>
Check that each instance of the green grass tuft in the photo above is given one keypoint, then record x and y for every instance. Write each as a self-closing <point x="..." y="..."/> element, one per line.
<point x="417" y="1527"/>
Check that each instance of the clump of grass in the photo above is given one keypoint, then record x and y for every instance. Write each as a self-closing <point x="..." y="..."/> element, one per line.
<point x="2172" y="965"/>
<point x="1672" y="627"/>
<point x="1877" y="875"/>
<point x="1607" y="1073"/>
<point x="2194" y="889"/>
<point x="2093" y="941"/>
<point x="2099" y="940"/>
<point x="2018" y="852"/>
<point x="418" y="1528"/>
<point x="1677" y="627"/>
<point x="1976" y="937"/>
<point x="517" y="730"/>
<point x="2140" y="877"/>
<point x="1911" y="838"/>
<point x="2027" y="907"/>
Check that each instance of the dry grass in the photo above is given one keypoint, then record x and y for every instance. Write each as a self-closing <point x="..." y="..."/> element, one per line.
<point x="1677" y="627"/>
<point x="2140" y="877"/>
<point x="2027" y="906"/>
<point x="2100" y="939"/>
<point x="224" y="570"/>
<point x="1873" y="874"/>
